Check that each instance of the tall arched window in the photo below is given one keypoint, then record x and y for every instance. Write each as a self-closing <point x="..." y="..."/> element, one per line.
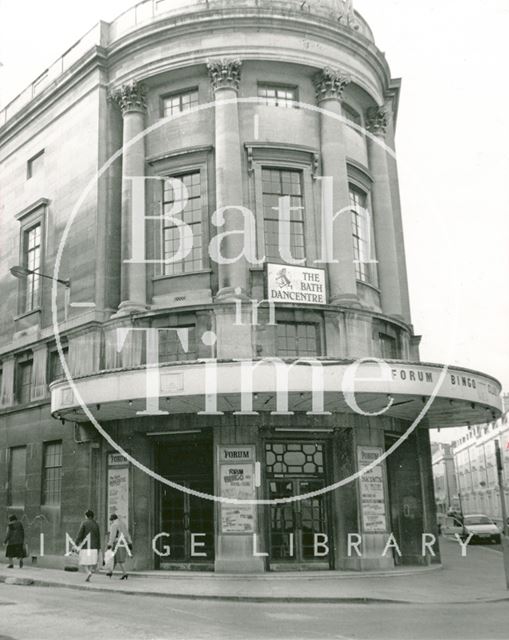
<point x="362" y="235"/>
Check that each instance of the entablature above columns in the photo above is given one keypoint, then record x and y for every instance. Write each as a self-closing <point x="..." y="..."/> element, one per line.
<point x="251" y="37"/>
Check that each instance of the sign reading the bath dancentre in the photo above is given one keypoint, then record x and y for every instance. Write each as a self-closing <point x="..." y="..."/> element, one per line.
<point x="295" y="284"/>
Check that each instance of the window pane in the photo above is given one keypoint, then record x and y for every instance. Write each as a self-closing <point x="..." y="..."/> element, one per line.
<point x="24" y="381"/>
<point x="276" y="184"/>
<point x="180" y="102"/>
<point x="172" y="347"/>
<point x="296" y="340"/>
<point x="52" y="473"/>
<point x="388" y="346"/>
<point x="32" y="260"/>
<point x="275" y="96"/>
<point x="17" y="476"/>
<point x="56" y="369"/>
<point x="361" y="237"/>
<point x="174" y="197"/>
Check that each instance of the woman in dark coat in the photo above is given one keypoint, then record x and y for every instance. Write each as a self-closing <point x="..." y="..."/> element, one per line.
<point x="15" y="541"/>
<point x="89" y="553"/>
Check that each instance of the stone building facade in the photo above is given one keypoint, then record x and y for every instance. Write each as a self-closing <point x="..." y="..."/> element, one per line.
<point x="444" y="479"/>
<point x="244" y="127"/>
<point x="476" y="468"/>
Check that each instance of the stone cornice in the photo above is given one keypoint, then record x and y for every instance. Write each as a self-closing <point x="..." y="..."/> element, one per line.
<point x="224" y="73"/>
<point x="95" y="59"/>
<point x="303" y="25"/>
<point x="130" y="97"/>
<point x="161" y="30"/>
<point x="330" y="83"/>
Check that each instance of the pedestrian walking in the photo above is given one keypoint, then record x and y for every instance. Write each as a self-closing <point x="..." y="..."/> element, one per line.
<point x="118" y="538"/>
<point x="15" y="541"/>
<point x="90" y="534"/>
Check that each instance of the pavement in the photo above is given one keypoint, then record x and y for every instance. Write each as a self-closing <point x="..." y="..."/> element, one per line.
<point x="477" y="578"/>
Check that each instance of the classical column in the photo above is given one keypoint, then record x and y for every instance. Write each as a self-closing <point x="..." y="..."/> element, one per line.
<point x="131" y="100"/>
<point x="383" y="216"/>
<point x="398" y="222"/>
<point x="225" y="80"/>
<point x="329" y="86"/>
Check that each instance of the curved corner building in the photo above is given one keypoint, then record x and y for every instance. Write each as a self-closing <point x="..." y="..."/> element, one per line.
<point x="286" y="364"/>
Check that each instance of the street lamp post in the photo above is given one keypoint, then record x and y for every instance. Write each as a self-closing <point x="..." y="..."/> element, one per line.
<point x="505" y="532"/>
<point x="21" y="273"/>
<point x="458" y="485"/>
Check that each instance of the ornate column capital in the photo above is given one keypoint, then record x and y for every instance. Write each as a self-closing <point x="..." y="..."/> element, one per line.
<point x="377" y="120"/>
<point x="224" y="73"/>
<point x="130" y="97"/>
<point x="330" y="83"/>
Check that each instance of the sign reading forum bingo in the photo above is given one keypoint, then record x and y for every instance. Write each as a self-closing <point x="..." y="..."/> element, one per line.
<point x="295" y="284"/>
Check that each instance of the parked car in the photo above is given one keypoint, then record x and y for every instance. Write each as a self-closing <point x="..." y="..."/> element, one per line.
<point x="482" y="528"/>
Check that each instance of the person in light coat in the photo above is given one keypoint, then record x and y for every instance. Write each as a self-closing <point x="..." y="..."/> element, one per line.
<point x="90" y="534"/>
<point x="118" y="539"/>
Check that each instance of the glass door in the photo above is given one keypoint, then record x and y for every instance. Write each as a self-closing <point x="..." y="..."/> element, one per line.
<point x="183" y="515"/>
<point x="297" y="528"/>
<point x="188" y="463"/>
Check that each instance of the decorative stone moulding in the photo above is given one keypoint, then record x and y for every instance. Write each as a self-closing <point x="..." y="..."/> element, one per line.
<point x="225" y="73"/>
<point x="330" y="83"/>
<point x="341" y="10"/>
<point x="377" y="120"/>
<point x="130" y="97"/>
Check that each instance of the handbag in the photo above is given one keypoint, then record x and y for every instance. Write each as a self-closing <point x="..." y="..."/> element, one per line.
<point x="109" y="561"/>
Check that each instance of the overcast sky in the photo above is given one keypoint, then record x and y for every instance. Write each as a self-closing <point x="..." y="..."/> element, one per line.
<point x="453" y="141"/>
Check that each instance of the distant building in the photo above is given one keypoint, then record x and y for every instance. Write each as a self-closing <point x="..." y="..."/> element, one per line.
<point x="444" y="477"/>
<point x="476" y="469"/>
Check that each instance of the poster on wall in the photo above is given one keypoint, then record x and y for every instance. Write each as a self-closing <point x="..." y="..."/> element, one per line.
<point x="118" y="487"/>
<point x="372" y="491"/>
<point x="237" y="482"/>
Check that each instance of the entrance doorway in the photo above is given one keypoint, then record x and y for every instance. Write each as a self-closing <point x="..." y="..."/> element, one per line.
<point x="405" y="494"/>
<point x="187" y="519"/>
<point x="299" y="530"/>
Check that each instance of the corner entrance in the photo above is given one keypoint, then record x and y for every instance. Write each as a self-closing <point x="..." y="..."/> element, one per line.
<point x="187" y="520"/>
<point x="299" y="531"/>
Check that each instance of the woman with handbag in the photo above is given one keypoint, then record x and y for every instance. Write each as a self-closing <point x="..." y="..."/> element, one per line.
<point x="119" y="538"/>
<point x="15" y="541"/>
<point x="90" y="534"/>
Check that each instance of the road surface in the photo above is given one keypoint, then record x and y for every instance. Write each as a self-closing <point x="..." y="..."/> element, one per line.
<point x="43" y="613"/>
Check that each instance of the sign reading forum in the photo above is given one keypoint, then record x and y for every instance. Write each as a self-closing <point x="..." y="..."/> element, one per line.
<point x="295" y="284"/>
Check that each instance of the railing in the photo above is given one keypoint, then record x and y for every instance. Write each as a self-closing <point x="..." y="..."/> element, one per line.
<point x="72" y="55"/>
<point x="152" y="10"/>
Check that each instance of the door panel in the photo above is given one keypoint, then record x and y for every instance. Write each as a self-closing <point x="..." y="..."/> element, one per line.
<point x="173" y="511"/>
<point x="201" y="521"/>
<point x="313" y="519"/>
<point x="295" y="524"/>
<point x="190" y="465"/>
<point x="282" y="520"/>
